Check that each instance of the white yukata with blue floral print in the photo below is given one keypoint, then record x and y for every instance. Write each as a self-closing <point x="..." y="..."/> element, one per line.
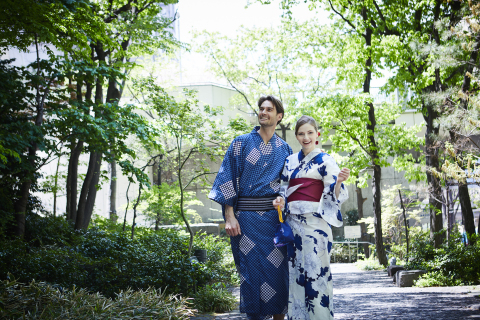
<point x="310" y="278"/>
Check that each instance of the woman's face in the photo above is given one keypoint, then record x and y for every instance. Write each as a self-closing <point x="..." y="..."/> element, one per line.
<point x="307" y="136"/>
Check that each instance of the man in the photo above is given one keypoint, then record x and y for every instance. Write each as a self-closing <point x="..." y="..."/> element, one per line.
<point x="246" y="184"/>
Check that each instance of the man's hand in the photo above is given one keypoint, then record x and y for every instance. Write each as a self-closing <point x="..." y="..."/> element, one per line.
<point x="343" y="175"/>
<point x="279" y="202"/>
<point x="232" y="227"/>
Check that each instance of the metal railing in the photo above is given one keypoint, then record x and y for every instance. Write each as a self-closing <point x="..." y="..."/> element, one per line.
<point x="349" y="250"/>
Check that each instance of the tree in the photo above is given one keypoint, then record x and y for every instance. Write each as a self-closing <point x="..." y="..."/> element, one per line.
<point x="133" y="28"/>
<point x="260" y="61"/>
<point x="193" y="132"/>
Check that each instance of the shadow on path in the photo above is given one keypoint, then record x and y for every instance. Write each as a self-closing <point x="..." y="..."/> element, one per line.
<point x="372" y="295"/>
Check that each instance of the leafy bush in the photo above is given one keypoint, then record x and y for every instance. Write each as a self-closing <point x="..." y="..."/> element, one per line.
<point x="451" y="264"/>
<point x="214" y="298"/>
<point x="39" y="300"/>
<point x="436" y="279"/>
<point x="219" y="257"/>
<point x="107" y="262"/>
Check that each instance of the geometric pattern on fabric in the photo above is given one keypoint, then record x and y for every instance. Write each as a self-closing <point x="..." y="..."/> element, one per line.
<point x="279" y="142"/>
<point x="228" y="190"/>
<point x="265" y="164"/>
<point x="275" y="185"/>
<point x="266" y="292"/>
<point x="246" y="244"/>
<point x="261" y="213"/>
<point x="266" y="148"/>
<point x="237" y="148"/>
<point x="242" y="279"/>
<point x="253" y="156"/>
<point x="276" y="257"/>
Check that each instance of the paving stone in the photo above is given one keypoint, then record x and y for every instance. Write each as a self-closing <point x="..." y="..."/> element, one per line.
<point x="360" y="295"/>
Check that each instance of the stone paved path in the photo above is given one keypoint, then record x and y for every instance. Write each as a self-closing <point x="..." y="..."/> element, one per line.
<point x="372" y="295"/>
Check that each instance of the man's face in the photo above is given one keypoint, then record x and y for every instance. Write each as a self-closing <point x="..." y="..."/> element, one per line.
<point x="267" y="114"/>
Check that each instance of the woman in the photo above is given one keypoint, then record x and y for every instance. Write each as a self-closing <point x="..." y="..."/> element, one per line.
<point x="313" y="189"/>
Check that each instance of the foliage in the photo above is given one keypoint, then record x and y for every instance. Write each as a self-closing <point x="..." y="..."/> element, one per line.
<point x="107" y="262"/>
<point x="193" y="132"/>
<point x="351" y="217"/>
<point x="219" y="257"/>
<point x="214" y="298"/>
<point x="162" y="204"/>
<point x="436" y="279"/>
<point x="368" y="264"/>
<point x="267" y="61"/>
<point x="451" y="264"/>
<point x="393" y="225"/>
<point x="39" y="300"/>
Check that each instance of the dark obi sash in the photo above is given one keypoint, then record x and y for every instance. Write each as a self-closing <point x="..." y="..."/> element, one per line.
<point x="256" y="203"/>
<point x="310" y="189"/>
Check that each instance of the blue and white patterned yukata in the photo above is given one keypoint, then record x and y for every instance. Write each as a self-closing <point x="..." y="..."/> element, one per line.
<point x="252" y="168"/>
<point x="311" y="286"/>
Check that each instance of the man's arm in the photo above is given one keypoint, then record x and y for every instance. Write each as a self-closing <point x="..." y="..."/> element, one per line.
<point x="231" y="223"/>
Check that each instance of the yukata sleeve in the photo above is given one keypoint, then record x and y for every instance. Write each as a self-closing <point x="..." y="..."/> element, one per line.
<point x="329" y="206"/>
<point x="225" y="189"/>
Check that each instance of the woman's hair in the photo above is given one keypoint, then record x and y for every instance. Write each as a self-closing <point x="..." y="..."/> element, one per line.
<point x="303" y="120"/>
<point x="276" y="103"/>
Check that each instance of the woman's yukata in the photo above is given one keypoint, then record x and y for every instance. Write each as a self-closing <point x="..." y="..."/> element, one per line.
<point x="311" y="286"/>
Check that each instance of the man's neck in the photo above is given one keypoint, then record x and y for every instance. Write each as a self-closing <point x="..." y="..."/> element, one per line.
<point x="266" y="133"/>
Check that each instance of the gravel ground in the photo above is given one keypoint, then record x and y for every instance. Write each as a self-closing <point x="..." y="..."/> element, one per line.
<point x="372" y="295"/>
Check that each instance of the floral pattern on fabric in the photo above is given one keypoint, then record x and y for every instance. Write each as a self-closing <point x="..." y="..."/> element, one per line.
<point x="310" y="277"/>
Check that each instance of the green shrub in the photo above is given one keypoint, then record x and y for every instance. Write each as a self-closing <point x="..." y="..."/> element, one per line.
<point x="451" y="264"/>
<point x="107" y="262"/>
<point x="436" y="279"/>
<point x="39" y="300"/>
<point x="219" y="257"/>
<point x="369" y="264"/>
<point x="214" y="298"/>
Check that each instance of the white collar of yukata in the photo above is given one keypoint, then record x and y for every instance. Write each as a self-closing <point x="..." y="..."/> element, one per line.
<point x="309" y="156"/>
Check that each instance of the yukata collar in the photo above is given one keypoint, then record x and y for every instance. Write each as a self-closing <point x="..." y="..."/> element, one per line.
<point x="256" y="130"/>
<point x="309" y="156"/>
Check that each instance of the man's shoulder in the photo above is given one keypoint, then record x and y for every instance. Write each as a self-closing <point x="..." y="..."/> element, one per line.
<point x="280" y="143"/>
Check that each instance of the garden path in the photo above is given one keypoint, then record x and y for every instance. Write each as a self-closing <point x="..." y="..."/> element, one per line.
<point x="372" y="295"/>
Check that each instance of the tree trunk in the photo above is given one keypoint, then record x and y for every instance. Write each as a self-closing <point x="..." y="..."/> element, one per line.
<point x="21" y="208"/>
<point x="92" y="191"/>
<point x="377" y="170"/>
<point x="284" y="131"/>
<point x="82" y="201"/>
<point x="467" y="212"/>
<point x="22" y="202"/>
<point x="72" y="178"/>
<point x="360" y="201"/>
<point x="113" y="191"/>
<point x="55" y="188"/>
<point x="434" y="187"/>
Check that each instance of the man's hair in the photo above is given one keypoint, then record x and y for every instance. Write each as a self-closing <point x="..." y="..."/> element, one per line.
<point x="304" y="120"/>
<point x="276" y="102"/>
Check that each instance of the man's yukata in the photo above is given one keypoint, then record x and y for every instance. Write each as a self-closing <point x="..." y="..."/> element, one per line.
<point x="251" y="169"/>
<point x="311" y="286"/>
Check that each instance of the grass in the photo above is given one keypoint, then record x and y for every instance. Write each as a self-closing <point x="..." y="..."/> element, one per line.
<point x="39" y="300"/>
<point x="369" y="265"/>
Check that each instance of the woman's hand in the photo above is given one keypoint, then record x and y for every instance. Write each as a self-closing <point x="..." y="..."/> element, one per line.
<point x="279" y="202"/>
<point x="343" y="175"/>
